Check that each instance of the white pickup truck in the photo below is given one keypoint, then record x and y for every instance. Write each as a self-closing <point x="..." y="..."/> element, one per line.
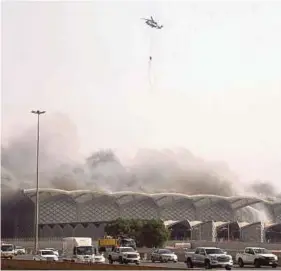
<point x="208" y="257"/>
<point x="124" y="255"/>
<point x="256" y="256"/>
<point x="8" y="251"/>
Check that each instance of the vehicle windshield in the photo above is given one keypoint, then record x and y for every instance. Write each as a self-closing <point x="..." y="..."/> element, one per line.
<point x="128" y="243"/>
<point x="214" y="251"/>
<point x="7" y="247"/>
<point x="47" y="252"/>
<point x="127" y="249"/>
<point x="261" y="251"/>
<point x="165" y="251"/>
<point x="84" y="250"/>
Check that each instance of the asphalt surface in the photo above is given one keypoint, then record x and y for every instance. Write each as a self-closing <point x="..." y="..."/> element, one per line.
<point x="179" y="265"/>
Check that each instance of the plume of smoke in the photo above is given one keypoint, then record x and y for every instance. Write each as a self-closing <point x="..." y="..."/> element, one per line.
<point x="180" y="171"/>
<point x="58" y="145"/>
<point x="263" y="189"/>
<point x="151" y="170"/>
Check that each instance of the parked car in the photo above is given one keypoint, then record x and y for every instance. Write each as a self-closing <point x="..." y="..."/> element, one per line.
<point x="164" y="255"/>
<point x="256" y="256"/>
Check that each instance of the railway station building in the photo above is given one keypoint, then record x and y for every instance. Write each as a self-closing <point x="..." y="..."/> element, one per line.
<point x="197" y="217"/>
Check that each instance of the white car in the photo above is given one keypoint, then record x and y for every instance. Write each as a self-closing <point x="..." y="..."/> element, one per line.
<point x="20" y="250"/>
<point x="256" y="256"/>
<point x="53" y="249"/>
<point x="208" y="257"/>
<point x="124" y="255"/>
<point x="46" y="255"/>
<point x="99" y="258"/>
<point x="7" y="251"/>
<point x="164" y="255"/>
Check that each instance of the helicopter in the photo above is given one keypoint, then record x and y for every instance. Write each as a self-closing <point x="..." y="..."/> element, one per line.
<point x="152" y="23"/>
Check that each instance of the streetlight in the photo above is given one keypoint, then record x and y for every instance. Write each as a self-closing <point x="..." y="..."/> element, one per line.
<point x="38" y="113"/>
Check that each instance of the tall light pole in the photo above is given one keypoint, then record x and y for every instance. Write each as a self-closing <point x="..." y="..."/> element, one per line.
<point x="228" y="231"/>
<point x="36" y="224"/>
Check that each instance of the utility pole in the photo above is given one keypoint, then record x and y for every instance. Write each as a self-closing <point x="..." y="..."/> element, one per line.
<point x="36" y="224"/>
<point x="228" y="231"/>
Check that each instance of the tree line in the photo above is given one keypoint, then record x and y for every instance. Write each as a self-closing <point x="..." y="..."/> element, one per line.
<point x="147" y="233"/>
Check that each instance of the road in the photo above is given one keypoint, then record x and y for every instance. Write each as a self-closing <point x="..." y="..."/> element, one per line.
<point x="179" y="265"/>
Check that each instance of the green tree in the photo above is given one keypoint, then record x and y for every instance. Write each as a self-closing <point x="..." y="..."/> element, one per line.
<point x="148" y="233"/>
<point x="118" y="227"/>
<point x="154" y="233"/>
<point x="136" y="226"/>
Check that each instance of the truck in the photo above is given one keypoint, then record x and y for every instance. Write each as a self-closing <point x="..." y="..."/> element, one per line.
<point x="108" y="243"/>
<point x="256" y="256"/>
<point x="77" y="249"/>
<point x="208" y="257"/>
<point x="8" y="251"/>
<point x="124" y="255"/>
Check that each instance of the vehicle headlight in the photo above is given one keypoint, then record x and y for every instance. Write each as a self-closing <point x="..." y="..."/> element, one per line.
<point x="213" y="258"/>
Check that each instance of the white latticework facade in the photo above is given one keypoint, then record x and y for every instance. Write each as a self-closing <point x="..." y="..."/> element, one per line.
<point x="95" y="211"/>
<point x="58" y="209"/>
<point x="58" y="206"/>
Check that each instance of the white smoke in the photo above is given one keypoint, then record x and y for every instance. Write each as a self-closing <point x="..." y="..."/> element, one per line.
<point x="61" y="166"/>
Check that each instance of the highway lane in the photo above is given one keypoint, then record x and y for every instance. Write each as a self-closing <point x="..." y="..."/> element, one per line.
<point x="179" y="265"/>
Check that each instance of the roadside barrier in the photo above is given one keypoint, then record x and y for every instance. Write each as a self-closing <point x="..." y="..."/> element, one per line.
<point x="46" y="265"/>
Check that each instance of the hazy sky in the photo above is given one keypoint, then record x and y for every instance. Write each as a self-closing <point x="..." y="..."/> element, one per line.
<point x="216" y="72"/>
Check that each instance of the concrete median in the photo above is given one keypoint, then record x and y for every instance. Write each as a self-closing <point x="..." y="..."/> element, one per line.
<point x="46" y="265"/>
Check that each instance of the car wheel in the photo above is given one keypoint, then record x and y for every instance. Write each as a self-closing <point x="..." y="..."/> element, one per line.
<point x="240" y="263"/>
<point x="137" y="263"/>
<point x="228" y="267"/>
<point x="189" y="263"/>
<point x="208" y="265"/>
<point x="257" y="264"/>
<point x="161" y="260"/>
<point x="120" y="260"/>
<point x="110" y="260"/>
<point x="274" y="266"/>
